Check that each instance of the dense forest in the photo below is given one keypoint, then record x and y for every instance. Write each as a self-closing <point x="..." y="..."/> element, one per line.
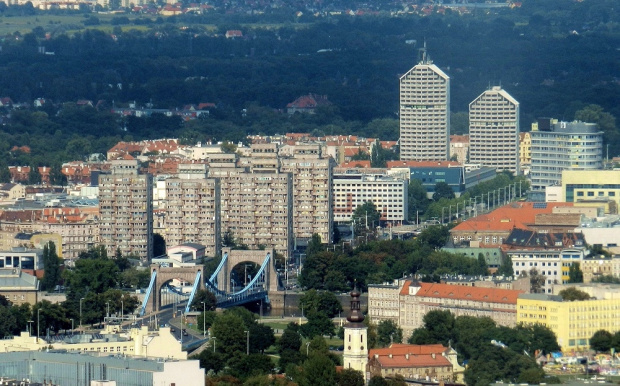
<point x="554" y="57"/>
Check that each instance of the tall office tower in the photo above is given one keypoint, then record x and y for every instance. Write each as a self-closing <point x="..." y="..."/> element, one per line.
<point x="494" y="130"/>
<point x="558" y="146"/>
<point x="424" y="113"/>
<point x="312" y="193"/>
<point x="257" y="208"/>
<point x="192" y="209"/>
<point x="126" y="210"/>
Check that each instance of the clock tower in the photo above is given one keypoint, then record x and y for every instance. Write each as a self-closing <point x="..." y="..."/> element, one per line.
<point x="355" y="354"/>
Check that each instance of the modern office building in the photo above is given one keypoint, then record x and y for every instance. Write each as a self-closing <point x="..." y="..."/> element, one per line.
<point x="424" y="112"/>
<point x="352" y="188"/>
<point x="573" y="322"/>
<point x="590" y="185"/>
<point x="192" y="209"/>
<point x="312" y="191"/>
<point x="494" y="130"/>
<point x="126" y="209"/>
<point x="559" y="146"/>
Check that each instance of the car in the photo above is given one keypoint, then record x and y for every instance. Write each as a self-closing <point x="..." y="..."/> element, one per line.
<point x="172" y="329"/>
<point x="185" y="332"/>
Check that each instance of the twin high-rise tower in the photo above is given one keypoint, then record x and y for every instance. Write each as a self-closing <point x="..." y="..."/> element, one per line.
<point x="425" y="120"/>
<point x="424" y="113"/>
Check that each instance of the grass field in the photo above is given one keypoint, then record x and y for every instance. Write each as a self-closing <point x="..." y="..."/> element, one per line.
<point x="70" y="24"/>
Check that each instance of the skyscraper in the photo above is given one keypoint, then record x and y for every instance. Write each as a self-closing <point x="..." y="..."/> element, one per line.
<point x="126" y="209"/>
<point x="494" y="130"/>
<point x="424" y="112"/>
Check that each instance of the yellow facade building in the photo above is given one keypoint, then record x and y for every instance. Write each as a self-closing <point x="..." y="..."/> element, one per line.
<point x="589" y="185"/>
<point x="573" y="322"/>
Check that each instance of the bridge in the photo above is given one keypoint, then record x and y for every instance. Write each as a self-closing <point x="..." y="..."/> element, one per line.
<point x="227" y="295"/>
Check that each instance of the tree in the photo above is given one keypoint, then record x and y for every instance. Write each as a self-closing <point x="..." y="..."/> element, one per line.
<point x="388" y="332"/>
<point x="575" y="275"/>
<point x="204" y="296"/>
<point x="482" y="263"/>
<point x="261" y="337"/>
<point x="572" y="294"/>
<point x="318" y="324"/>
<point x="210" y="360"/>
<point x="91" y="275"/>
<point x="350" y="377"/>
<point x="51" y="265"/>
<point x="206" y="319"/>
<point x="228" y="329"/>
<point x="318" y="370"/>
<point x="159" y="245"/>
<point x="34" y="177"/>
<point x="443" y="190"/>
<point x="537" y="281"/>
<point x="244" y="366"/>
<point x="289" y="345"/>
<point x="601" y="341"/>
<point x="366" y="216"/>
<point x="228" y="147"/>
<point x="418" y="199"/>
<point x="315" y="245"/>
<point x="320" y="301"/>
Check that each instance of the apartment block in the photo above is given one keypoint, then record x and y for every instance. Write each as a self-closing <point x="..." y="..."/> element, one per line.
<point x="550" y="254"/>
<point x="424" y="113"/>
<point x="559" y="146"/>
<point x="352" y="188"/>
<point x="192" y="209"/>
<point x="494" y="130"/>
<point x="126" y="209"/>
<point x="417" y="299"/>
<point x="257" y="208"/>
<point x="312" y="191"/>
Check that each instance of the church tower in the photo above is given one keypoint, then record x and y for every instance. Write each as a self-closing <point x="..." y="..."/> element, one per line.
<point x="355" y="354"/>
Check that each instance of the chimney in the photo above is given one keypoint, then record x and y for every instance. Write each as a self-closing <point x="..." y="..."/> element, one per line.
<point x="407" y="356"/>
<point x="433" y="355"/>
<point x="390" y="355"/>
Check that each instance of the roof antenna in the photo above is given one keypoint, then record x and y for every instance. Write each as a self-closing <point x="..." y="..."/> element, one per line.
<point x="424" y="58"/>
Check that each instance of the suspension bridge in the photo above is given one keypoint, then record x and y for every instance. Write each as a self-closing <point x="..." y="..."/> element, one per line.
<point x="227" y="295"/>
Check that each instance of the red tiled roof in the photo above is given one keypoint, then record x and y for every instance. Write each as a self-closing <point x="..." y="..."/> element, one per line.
<point x="421" y="164"/>
<point x="355" y="164"/>
<point x="459" y="138"/>
<point x="449" y="291"/>
<point x="409" y="355"/>
<point x="516" y="215"/>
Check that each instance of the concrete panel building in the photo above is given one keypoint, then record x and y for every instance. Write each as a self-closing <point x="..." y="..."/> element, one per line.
<point x="126" y="209"/>
<point x="494" y="130"/>
<point x="192" y="209"/>
<point x="424" y="112"/>
<point x="312" y="191"/>
<point x="257" y="208"/>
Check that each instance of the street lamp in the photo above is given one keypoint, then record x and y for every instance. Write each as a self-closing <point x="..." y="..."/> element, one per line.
<point x="122" y="311"/>
<point x="38" y="323"/>
<point x="204" y="317"/>
<point x="108" y="310"/>
<point x="247" y="345"/>
<point x="71" y="326"/>
<point x="30" y="327"/>
<point x="81" y="312"/>
<point x="307" y="348"/>
<point x="214" y="338"/>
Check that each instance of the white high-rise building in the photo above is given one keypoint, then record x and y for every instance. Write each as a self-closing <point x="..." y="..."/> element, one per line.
<point x="424" y="113"/>
<point x="126" y="210"/>
<point x="494" y="130"/>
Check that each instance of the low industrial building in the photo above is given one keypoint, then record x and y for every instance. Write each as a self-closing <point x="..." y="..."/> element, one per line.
<point x="76" y="369"/>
